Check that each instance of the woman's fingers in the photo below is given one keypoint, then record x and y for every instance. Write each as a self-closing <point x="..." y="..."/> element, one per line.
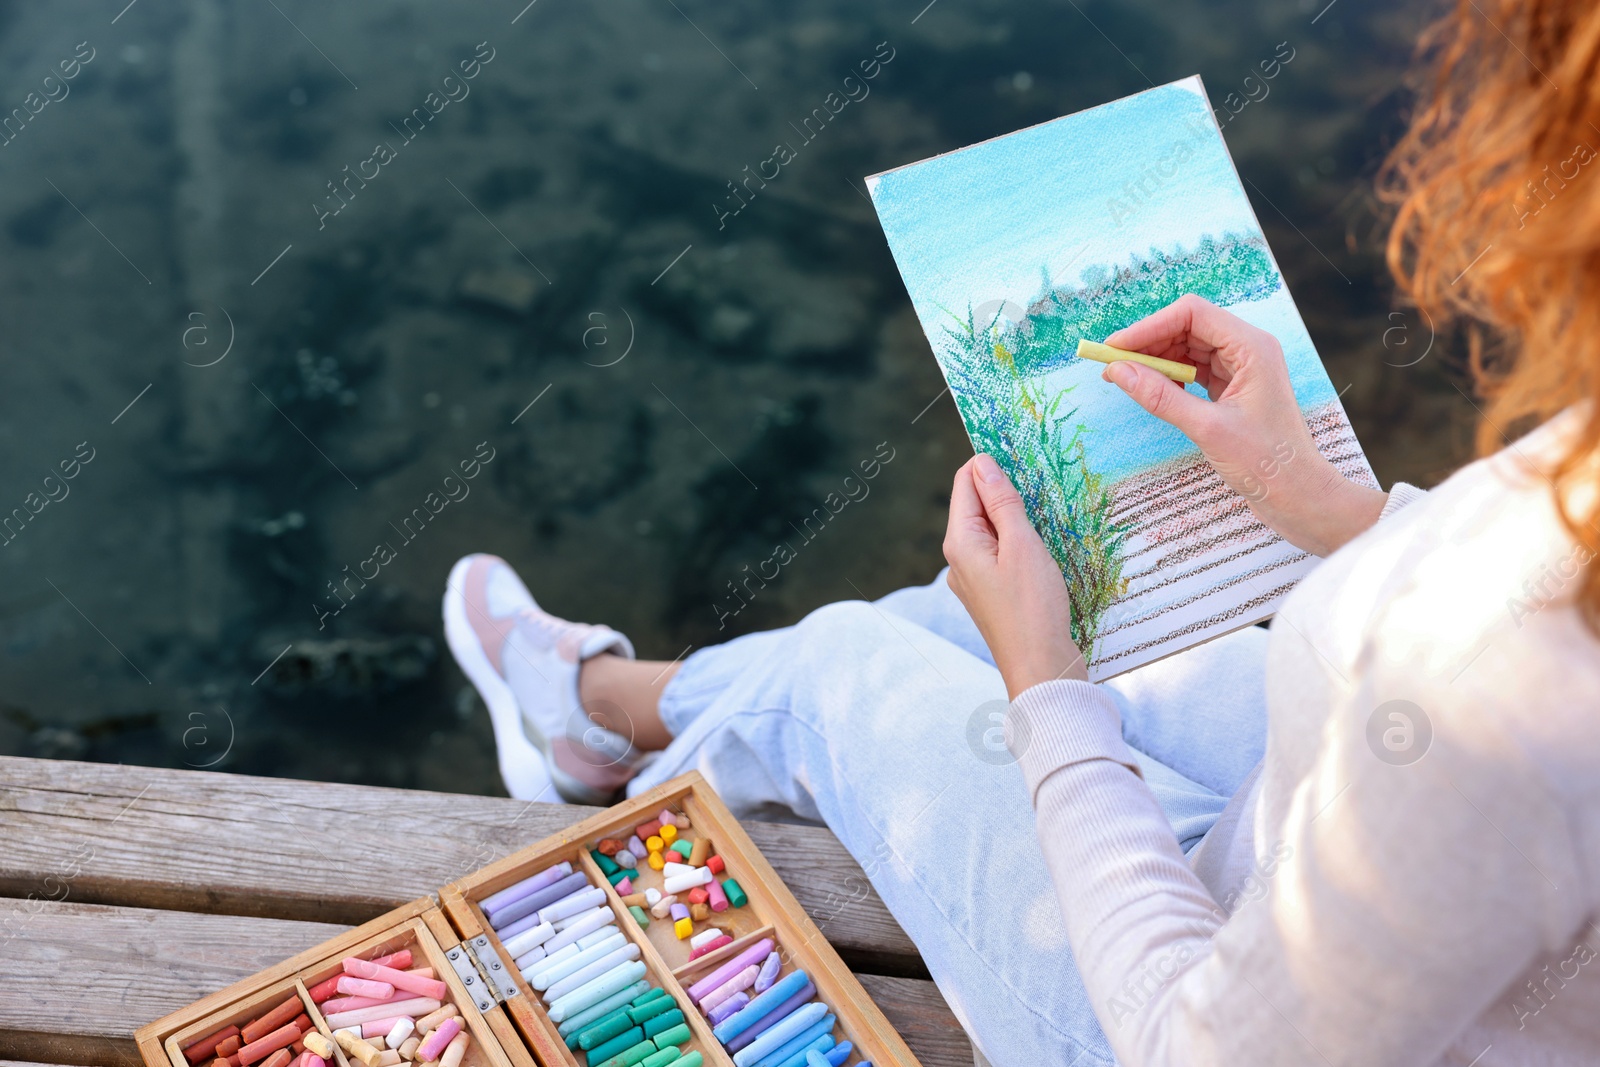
<point x="1165" y="399"/>
<point x="1001" y="501"/>
<point x="1202" y="332"/>
<point x="969" y="530"/>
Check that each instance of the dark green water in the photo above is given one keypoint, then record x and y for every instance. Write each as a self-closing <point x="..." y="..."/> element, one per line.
<point x="259" y="342"/>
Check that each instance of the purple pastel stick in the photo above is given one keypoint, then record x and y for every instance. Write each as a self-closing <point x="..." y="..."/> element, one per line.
<point x="513" y="893"/>
<point x="769" y="973"/>
<point x="680" y="911"/>
<point x="750" y="956"/>
<point x="728" y="1007"/>
<point x="637" y="847"/>
<point x="773" y="1017"/>
<point x="530" y="905"/>
<point x="527" y="922"/>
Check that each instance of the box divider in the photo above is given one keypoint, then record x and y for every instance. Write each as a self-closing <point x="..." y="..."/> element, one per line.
<point x="710" y="1048"/>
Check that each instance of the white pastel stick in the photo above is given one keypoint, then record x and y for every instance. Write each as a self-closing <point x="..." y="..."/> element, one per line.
<point x="529" y="958"/>
<point x="402" y="1029"/>
<point x="553" y="974"/>
<point x="652" y="896"/>
<point x="672" y="870"/>
<point x="528" y="939"/>
<point x="582" y="900"/>
<point x="549" y="961"/>
<point x="698" y="876"/>
<point x="587" y="923"/>
<point x="706" y="937"/>
<point x="565" y="924"/>
<point x="590" y="940"/>
<point x="615" y="958"/>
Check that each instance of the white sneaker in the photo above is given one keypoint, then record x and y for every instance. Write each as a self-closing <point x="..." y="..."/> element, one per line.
<point x="524" y="662"/>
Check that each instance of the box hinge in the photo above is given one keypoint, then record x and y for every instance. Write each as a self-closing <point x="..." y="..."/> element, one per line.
<point x="487" y="978"/>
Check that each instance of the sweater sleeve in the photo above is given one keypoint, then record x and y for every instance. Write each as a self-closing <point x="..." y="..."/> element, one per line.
<point x="1387" y="886"/>
<point x="1401" y="495"/>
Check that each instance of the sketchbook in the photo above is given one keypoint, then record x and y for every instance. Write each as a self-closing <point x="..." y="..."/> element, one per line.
<point x="1015" y="248"/>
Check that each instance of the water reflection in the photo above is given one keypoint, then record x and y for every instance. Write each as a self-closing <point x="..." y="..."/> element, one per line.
<point x="289" y="271"/>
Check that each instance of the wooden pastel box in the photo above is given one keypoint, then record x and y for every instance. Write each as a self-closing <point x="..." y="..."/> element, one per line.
<point x="508" y="1023"/>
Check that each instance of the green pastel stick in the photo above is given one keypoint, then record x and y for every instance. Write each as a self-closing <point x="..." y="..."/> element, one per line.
<point x="636" y="1054"/>
<point x="691" y="1059"/>
<point x="663" y="1022"/>
<point x="640" y="916"/>
<point x="607" y="865"/>
<point x="653" y="993"/>
<point x="682" y="848"/>
<point x="604" y="1050"/>
<point x="660" y="1058"/>
<point x="641" y="1012"/>
<point x="676" y="1036"/>
<point x="605" y="1029"/>
<point x="735" y="892"/>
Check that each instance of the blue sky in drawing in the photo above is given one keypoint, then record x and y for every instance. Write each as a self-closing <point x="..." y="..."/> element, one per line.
<point x="1009" y="217"/>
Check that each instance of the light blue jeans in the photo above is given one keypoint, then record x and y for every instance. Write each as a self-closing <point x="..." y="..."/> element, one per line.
<point x="882" y="721"/>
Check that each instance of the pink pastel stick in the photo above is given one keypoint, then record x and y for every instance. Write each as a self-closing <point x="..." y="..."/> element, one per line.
<point x="420" y="972"/>
<point x="360" y="987"/>
<point x="313" y="1060"/>
<point x="414" y="1007"/>
<point x="719" y="899"/>
<point x="414" y="983"/>
<point x="341" y="1004"/>
<point x="752" y="955"/>
<point x="737" y="984"/>
<point x="434" y="1044"/>
<point x="378" y="1027"/>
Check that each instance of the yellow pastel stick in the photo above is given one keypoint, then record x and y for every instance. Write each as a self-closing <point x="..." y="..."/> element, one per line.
<point x="1178" y="372"/>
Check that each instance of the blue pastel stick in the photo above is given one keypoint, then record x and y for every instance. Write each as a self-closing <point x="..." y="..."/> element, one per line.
<point x="798" y="1022"/>
<point x="793" y="1053"/>
<point x="839" y="1053"/>
<point x="758" y="1007"/>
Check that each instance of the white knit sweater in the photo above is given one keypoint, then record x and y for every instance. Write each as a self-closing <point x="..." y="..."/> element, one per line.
<point x="1383" y="911"/>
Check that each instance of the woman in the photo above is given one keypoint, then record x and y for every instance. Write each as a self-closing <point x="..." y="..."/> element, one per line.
<point x="1408" y="876"/>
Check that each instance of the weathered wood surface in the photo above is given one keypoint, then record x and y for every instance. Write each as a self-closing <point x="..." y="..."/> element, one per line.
<point x="136" y="891"/>
<point x="232" y="844"/>
<point x="77" y="979"/>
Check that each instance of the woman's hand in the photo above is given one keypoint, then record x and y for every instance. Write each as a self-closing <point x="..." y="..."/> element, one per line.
<point x="1008" y="580"/>
<point x="1251" y="431"/>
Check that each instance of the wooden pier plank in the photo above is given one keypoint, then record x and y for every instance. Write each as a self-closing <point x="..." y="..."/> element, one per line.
<point x="325" y="852"/>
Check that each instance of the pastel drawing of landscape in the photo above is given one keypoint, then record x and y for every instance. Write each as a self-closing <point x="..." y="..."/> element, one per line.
<point x="1014" y="249"/>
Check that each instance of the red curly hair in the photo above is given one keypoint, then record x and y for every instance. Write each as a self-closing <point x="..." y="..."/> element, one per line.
<point x="1497" y="188"/>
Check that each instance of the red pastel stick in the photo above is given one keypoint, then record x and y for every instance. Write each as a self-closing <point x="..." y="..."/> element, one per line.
<point x="207" y="1045"/>
<point x="280" y="1038"/>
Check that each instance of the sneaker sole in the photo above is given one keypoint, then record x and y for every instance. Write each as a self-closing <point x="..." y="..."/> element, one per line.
<point x="525" y="762"/>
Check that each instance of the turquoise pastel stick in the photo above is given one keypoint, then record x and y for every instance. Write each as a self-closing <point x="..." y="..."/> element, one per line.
<point x="602" y="1009"/>
<point x="596" y="991"/>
